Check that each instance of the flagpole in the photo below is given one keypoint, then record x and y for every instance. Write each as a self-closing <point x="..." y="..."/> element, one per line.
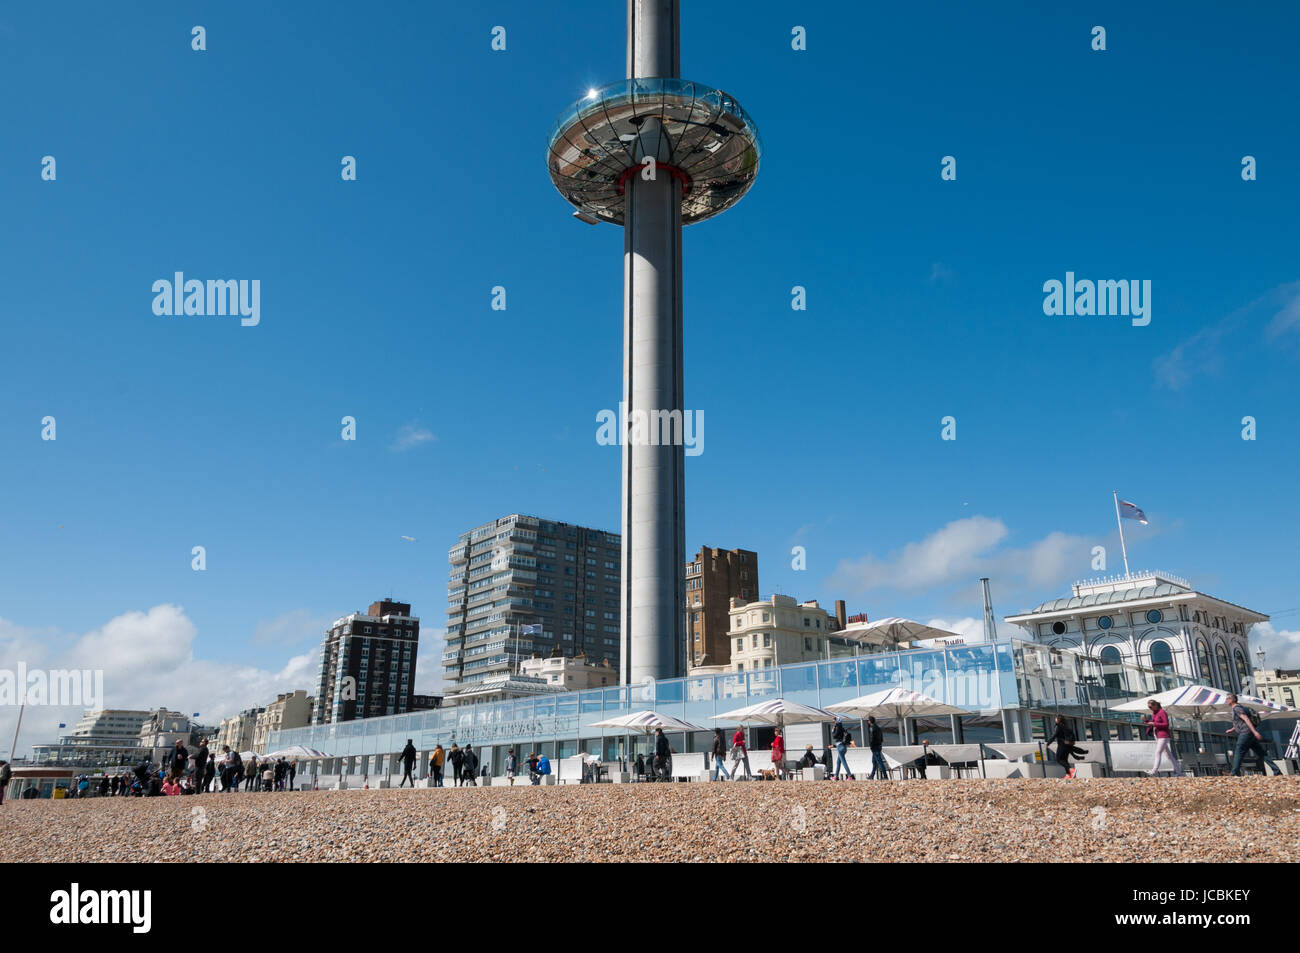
<point x="1118" y="522"/>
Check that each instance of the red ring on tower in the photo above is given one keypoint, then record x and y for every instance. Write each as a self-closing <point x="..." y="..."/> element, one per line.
<point x="673" y="170"/>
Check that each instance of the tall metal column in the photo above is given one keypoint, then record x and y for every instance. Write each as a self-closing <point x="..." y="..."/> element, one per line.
<point x="654" y="488"/>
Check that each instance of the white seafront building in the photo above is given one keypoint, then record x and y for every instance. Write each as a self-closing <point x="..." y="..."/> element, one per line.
<point x="1150" y="620"/>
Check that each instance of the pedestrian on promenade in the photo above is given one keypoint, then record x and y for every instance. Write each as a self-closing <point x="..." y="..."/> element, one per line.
<point x="512" y="765"/>
<point x="408" y="764"/>
<point x="6" y="773"/>
<point x="292" y="771"/>
<point x="876" y="741"/>
<point x="719" y="755"/>
<point x="435" y="764"/>
<point x="1244" y="726"/>
<point x="663" y="756"/>
<point x="1158" y="727"/>
<point x="226" y="765"/>
<point x="532" y="762"/>
<point x="103" y="786"/>
<point x="840" y="737"/>
<point x="180" y="759"/>
<point x="471" y="765"/>
<point x="252" y="773"/>
<point x="457" y="759"/>
<point x="1065" y="738"/>
<point x="740" y="753"/>
<point x="778" y="755"/>
<point x="200" y="763"/>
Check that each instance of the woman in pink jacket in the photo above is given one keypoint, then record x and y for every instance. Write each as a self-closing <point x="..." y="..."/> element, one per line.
<point x="1158" y="725"/>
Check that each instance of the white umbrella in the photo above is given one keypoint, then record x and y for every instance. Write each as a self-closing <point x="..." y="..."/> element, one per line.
<point x="899" y="703"/>
<point x="645" y="722"/>
<point x="1199" y="702"/>
<point x="776" y="711"/>
<point x="892" y="631"/>
<point x="299" y="753"/>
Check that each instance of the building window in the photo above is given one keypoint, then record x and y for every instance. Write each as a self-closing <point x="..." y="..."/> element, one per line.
<point x="1154" y="616"/>
<point x="1112" y="670"/>
<point x="740" y="645"/>
<point x="807" y="644"/>
<point x="1105" y="622"/>
<point x="1225" y="674"/>
<point x="1162" y="659"/>
<point x="1243" y="672"/>
<point x="1203" y="659"/>
<point x="767" y="640"/>
<point x="754" y="640"/>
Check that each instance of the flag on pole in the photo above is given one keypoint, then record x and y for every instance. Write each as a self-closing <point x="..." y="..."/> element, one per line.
<point x="1131" y="511"/>
<point x="530" y="630"/>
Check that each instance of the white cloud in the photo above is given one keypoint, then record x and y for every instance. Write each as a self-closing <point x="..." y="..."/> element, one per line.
<point x="291" y="628"/>
<point x="945" y="556"/>
<point x="148" y="661"/>
<point x="1281" y="646"/>
<point x="411" y="435"/>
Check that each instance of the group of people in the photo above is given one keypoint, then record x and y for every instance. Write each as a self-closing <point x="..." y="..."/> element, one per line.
<point x="464" y="764"/>
<point x="1244" y="725"/>
<point x="841" y="740"/>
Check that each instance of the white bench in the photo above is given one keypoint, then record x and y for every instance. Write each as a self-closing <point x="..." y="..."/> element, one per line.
<point x="691" y="765"/>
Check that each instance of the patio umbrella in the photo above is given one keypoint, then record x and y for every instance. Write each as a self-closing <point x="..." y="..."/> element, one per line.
<point x="299" y="753"/>
<point x="899" y="703"/>
<point x="645" y="722"/>
<point x="776" y="711"/>
<point x="1197" y="702"/>
<point x="892" y="631"/>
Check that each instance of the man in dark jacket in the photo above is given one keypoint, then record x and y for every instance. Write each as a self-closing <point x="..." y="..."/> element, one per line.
<point x="471" y="765"/>
<point x="663" y="756"/>
<point x="1065" y="737"/>
<point x="201" y="764"/>
<point x="408" y="764"/>
<point x="6" y="773"/>
<point x="457" y="759"/>
<point x="876" y="741"/>
<point x="720" y="755"/>
<point x="180" y="759"/>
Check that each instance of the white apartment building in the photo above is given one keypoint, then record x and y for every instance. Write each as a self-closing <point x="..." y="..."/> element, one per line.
<point x="781" y="631"/>
<point x="289" y="710"/>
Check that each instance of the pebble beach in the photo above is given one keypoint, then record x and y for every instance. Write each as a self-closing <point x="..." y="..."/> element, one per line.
<point x="1231" y="820"/>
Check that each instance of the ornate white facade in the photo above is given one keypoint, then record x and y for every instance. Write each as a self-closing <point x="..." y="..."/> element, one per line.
<point x="1153" y="620"/>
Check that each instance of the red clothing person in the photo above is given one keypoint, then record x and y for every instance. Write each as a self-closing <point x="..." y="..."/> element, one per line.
<point x="1159" y="723"/>
<point x="738" y="739"/>
<point x="778" y="753"/>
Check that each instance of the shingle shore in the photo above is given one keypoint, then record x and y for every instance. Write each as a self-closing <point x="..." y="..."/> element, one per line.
<point x="1124" y="820"/>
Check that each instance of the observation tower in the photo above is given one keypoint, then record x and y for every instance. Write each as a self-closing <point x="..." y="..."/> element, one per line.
<point x="652" y="153"/>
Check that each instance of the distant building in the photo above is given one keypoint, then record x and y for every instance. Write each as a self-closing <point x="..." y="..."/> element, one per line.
<point x="521" y="586"/>
<point x="570" y="674"/>
<point x="107" y="737"/>
<point x="501" y="687"/>
<point x="289" y="710"/>
<point x="109" y="726"/>
<point x="237" y="731"/>
<point x="1281" y="686"/>
<point x="781" y="631"/>
<point x="1151" y="620"/>
<point x="713" y="579"/>
<point x="367" y="665"/>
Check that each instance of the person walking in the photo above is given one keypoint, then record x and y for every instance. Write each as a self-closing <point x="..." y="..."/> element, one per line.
<point x="840" y="736"/>
<point x="663" y="756"/>
<point x="457" y="758"/>
<point x="408" y="764"/>
<point x="435" y="765"/>
<point x="720" y="755"/>
<point x="532" y="762"/>
<point x="180" y="759"/>
<point x="6" y="774"/>
<point x="1065" y="739"/>
<point x="292" y="772"/>
<point x="778" y="755"/>
<point x="1248" y="739"/>
<point x="200" y="763"/>
<point x="251" y="773"/>
<point x="876" y="741"/>
<point x="1158" y="727"/>
<point x="226" y="765"/>
<point x="512" y="765"/>
<point x="740" y="753"/>
<point x="471" y="765"/>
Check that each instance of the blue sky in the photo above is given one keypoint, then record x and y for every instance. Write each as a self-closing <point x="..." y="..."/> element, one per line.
<point x="822" y="427"/>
